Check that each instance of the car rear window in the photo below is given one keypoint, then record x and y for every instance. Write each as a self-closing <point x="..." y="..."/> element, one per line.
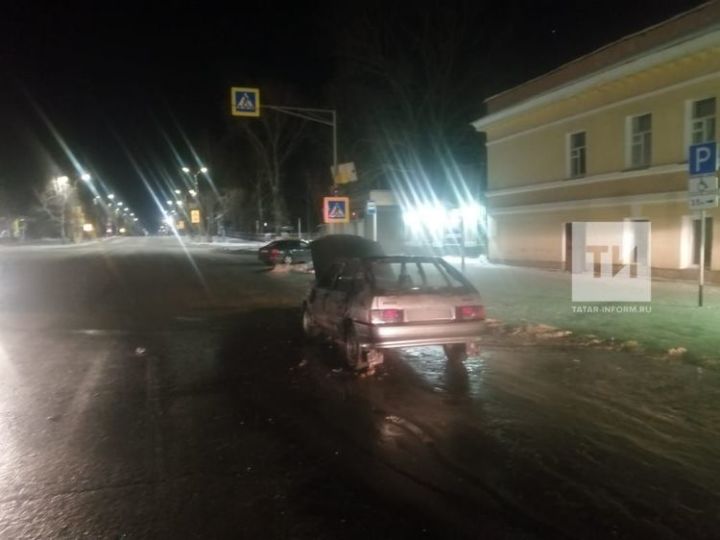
<point x="407" y="276"/>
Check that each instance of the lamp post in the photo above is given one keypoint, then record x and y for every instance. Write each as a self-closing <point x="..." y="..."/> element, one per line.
<point x="66" y="190"/>
<point x="197" y="195"/>
<point x="61" y="186"/>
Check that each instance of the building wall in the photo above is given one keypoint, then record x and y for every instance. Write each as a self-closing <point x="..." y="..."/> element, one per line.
<point x="538" y="238"/>
<point x="531" y="195"/>
<point x="541" y="155"/>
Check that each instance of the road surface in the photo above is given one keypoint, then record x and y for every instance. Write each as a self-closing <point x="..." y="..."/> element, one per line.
<point x="154" y="390"/>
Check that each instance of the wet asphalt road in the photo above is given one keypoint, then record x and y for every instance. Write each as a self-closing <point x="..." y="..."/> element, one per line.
<point x="151" y="391"/>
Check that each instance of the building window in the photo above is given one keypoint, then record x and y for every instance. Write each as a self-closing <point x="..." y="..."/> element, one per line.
<point x="641" y="140"/>
<point x="702" y="123"/>
<point x="578" y="152"/>
<point x="708" y="241"/>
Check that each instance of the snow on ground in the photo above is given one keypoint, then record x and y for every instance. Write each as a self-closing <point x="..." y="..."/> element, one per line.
<point x="456" y="261"/>
<point x="232" y="244"/>
<point x="676" y="327"/>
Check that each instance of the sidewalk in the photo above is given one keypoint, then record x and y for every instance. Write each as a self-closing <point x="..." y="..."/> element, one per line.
<point x="519" y="296"/>
<point x="227" y="243"/>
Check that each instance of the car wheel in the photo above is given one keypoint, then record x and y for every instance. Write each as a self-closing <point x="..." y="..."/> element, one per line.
<point x="457" y="352"/>
<point x="354" y="355"/>
<point x="309" y="327"/>
<point x="287" y="259"/>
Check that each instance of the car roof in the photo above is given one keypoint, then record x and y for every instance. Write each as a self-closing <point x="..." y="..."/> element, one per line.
<point x="328" y="250"/>
<point x="285" y="240"/>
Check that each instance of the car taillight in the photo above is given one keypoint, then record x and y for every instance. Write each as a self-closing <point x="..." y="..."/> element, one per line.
<point x="470" y="313"/>
<point x="274" y="252"/>
<point x="386" y="315"/>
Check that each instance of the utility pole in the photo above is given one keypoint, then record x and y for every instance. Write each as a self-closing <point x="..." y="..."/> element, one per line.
<point x="315" y="115"/>
<point x="245" y="102"/>
<point x="701" y="277"/>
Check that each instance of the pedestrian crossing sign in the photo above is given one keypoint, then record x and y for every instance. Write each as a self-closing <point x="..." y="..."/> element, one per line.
<point x="336" y="209"/>
<point x="245" y="101"/>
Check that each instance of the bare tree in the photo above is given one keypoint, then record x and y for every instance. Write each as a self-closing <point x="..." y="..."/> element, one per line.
<point x="55" y="203"/>
<point x="407" y="76"/>
<point x="231" y="201"/>
<point x="273" y="137"/>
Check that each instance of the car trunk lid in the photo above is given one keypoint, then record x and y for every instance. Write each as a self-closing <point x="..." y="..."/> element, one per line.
<point x="425" y="307"/>
<point x="328" y="249"/>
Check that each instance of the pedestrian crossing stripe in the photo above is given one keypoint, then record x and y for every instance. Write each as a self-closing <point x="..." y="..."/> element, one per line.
<point x="337" y="210"/>
<point x="246" y="103"/>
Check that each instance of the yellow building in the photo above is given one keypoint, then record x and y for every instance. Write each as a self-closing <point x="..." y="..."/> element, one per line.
<point x="605" y="138"/>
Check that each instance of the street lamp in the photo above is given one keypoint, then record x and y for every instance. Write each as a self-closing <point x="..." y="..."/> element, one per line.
<point x="201" y="170"/>
<point x="111" y="196"/>
<point x="85" y="177"/>
<point x="195" y="192"/>
<point x="61" y="184"/>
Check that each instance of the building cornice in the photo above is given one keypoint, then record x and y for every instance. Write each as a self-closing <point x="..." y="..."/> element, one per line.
<point x="605" y="202"/>
<point x="589" y="180"/>
<point x="669" y="52"/>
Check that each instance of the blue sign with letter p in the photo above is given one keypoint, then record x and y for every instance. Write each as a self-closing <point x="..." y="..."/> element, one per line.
<point x="703" y="158"/>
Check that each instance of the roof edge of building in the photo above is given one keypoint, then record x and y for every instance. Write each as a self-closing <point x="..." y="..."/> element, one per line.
<point x="698" y="21"/>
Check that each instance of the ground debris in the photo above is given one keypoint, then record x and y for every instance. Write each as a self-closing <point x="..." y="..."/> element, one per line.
<point x="677" y="352"/>
<point x="630" y="345"/>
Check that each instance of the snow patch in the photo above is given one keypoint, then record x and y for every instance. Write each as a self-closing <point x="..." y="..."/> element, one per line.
<point x="677" y="352"/>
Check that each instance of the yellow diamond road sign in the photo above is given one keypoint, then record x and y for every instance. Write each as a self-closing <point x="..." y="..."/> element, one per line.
<point x="244" y="101"/>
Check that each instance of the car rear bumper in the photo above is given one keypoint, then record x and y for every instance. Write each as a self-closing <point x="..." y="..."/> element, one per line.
<point x="386" y="336"/>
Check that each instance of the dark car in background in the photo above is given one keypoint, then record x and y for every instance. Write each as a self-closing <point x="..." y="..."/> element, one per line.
<point x="285" y="252"/>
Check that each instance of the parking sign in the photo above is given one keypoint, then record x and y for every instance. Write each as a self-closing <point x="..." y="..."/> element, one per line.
<point x="703" y="158"/>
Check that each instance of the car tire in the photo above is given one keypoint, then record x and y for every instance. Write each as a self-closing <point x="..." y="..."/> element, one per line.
<point x="287" y="259"/>
<point x="456" y="352"/>
<point x="309" y="327"/>
<point x="354" y="355"/>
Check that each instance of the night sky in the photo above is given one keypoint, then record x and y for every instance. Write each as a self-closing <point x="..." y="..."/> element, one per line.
<point x="123" y="84"/>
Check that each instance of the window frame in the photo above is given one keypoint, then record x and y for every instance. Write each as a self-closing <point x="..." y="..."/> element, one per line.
<point x="703" y="120"/>
<point x="571" y="157"/>
<point x="630" y="142"/>
<point x="689" y="109"/>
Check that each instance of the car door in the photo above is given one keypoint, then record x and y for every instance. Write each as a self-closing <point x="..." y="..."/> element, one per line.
<point x="299" y="250"/>
<point x="303" y="251"/>
<point x="339" y="297"/>
<point x="319" y="297"/>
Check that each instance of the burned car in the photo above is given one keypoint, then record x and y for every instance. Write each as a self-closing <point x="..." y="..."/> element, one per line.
<point x="368" y="301"/>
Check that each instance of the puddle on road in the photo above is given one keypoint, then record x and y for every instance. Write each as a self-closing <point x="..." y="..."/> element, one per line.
<point x="459" y="379"/>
